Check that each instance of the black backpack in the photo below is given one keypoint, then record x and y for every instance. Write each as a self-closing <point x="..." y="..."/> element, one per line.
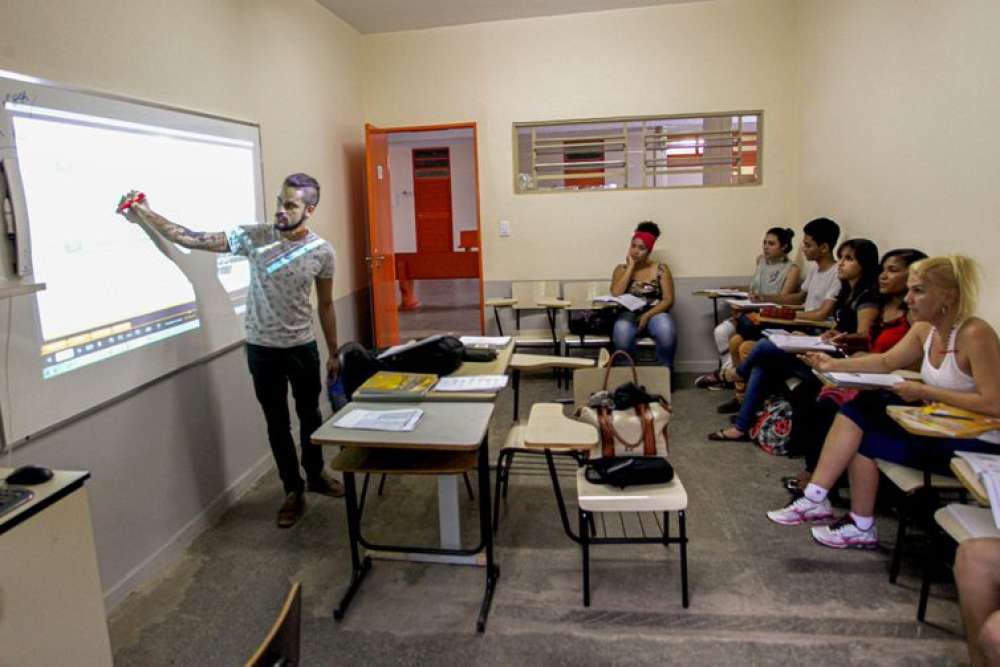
<point x="440" y="355"/>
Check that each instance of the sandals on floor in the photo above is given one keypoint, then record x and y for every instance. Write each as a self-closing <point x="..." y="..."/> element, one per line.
<point x="720" y="435"/>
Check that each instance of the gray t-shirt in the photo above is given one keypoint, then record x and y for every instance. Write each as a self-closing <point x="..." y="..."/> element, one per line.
<point x="769" y="278"/>
<point x="282" y="274"/>
<point x="821" y="286"/>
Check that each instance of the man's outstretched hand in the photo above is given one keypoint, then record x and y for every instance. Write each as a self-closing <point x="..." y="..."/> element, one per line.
<point x="132" y="205"/>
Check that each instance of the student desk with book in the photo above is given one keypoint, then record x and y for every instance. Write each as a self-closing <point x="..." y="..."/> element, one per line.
<point x="497" y="366"/>
<point x="449" y="439"/>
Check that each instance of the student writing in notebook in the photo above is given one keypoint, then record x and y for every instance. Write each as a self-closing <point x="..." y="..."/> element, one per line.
<point x="774" y="275"/>
<point x="767" y="364"/>
<point x="818" y="294"/>
<point x="960" y="365"/>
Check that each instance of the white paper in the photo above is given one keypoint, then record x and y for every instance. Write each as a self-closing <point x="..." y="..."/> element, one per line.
<point x="735" y="293"/>
<point x="381" y="420"/>
<point x="870" y="379"/>
<point x="791" y="343"/>
<point x="981" y="463"/>
<point x="976" y="520"/>
<point x="747" y="304"/>
<point x="630" y="301"/>
<point x="485" y="341"/>
<point x="991" y="481"/>
<point x="472" y="383"/>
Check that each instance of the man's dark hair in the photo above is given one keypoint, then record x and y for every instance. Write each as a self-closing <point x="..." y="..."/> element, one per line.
<point x="823" y="230"/>
<point x="307" y="184"/>
<point x="649" y="227"/>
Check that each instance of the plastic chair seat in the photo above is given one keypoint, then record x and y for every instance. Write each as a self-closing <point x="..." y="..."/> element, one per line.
<point x="670" y="497"/>
<point x="910" y="480"/>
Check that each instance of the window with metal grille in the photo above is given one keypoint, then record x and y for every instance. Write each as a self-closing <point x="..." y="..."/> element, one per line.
<point x="637" y="153"/>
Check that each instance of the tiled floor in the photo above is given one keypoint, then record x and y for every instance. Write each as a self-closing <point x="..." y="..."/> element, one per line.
<point x="761" y="594"/>
<point x="446" y="305"/>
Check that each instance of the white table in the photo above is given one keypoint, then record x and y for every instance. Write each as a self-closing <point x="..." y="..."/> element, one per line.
<point x="449" y="439"/>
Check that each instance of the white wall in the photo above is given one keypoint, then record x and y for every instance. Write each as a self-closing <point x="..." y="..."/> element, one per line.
<point x="900" y="103"/>
<point x="685" y="58"/>
<point x="463" y="188"/>
<point x="167" y="458"/>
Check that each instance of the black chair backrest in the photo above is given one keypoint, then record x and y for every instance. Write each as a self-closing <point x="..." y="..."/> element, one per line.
<point x="281" y="646"/>
<point x="356" y="365"/>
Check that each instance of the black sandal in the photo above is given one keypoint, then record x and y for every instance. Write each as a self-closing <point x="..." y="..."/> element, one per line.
<point x="720" y="436"/>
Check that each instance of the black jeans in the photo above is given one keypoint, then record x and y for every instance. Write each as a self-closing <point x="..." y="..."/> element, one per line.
<point x="273" y="369"/>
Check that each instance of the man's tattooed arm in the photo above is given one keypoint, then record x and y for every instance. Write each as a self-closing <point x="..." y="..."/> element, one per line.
<point x="182" y="236"/>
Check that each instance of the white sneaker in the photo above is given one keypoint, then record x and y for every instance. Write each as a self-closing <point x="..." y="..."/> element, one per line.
<point x="844" y="534"/>
<point x="802" y="510"/>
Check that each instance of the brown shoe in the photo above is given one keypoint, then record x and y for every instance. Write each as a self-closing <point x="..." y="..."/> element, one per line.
<point x="291" y="510"/>
<point x="326" y="485"/>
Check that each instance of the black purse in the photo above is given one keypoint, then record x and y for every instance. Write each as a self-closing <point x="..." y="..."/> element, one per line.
<point x="623" y="471"/>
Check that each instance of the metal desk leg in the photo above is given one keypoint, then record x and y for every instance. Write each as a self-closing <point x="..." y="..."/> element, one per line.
<point x="449" y="522"/>
<point x="359" y="566"/>
<point x="486" y="529"/>
<point x="496" y="316"/>
<point x="515" y="380"/>
<point x="682" y="526"/>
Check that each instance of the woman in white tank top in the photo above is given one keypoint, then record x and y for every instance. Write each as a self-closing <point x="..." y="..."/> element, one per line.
<point x="959" y="356"/>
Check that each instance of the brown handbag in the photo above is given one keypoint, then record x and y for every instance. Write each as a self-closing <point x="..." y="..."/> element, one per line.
<point x="623" y="431"/>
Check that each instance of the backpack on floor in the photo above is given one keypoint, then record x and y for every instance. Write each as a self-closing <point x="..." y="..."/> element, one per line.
<point x="773" y="429"/>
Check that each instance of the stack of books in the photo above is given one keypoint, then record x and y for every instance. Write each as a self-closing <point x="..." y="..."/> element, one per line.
<point x="395" y="386"/>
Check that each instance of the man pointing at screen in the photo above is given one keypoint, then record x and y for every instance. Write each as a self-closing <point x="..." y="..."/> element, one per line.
<point x="285" y="258"/>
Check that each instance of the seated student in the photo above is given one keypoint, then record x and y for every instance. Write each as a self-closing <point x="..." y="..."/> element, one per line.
<point x="775" y="275"/>
<point x="818" y="292"/>
<point x="652" y="282"/>
<point x="977" y="573"/>
<point x="856" y="308"/>
<point x="813" y="415"/>
<point x="960" y="365"/>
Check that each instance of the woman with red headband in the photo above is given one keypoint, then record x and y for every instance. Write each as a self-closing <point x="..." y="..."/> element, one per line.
<point x="652" y="282"/>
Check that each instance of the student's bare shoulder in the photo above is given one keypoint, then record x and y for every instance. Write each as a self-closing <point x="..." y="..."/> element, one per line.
<point x="976" y="328"/>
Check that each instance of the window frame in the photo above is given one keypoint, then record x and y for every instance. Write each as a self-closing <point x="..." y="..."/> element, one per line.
<point x="625" y="120"/>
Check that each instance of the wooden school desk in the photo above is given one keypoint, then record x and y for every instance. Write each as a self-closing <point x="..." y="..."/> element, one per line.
<point x="449" y="439"/>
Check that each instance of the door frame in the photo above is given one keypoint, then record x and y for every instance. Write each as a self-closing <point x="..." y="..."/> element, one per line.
<point x="471" y="125"/>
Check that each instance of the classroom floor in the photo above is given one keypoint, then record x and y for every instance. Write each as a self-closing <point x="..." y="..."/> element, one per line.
<point x="761" y="594"/>
<point x="445" y="305"/>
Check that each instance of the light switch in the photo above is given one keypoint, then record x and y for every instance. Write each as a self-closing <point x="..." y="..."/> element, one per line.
<point x="504" y="228"/>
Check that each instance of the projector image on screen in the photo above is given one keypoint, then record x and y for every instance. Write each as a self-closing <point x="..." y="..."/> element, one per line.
<point x="113" y="286"/>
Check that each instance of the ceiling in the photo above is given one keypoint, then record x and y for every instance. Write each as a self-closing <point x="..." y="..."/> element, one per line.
<point x="372" y="16"/>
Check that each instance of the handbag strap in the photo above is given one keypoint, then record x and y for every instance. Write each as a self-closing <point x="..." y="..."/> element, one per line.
<point x="611" y="363"/>
<point x="648" y="436"/>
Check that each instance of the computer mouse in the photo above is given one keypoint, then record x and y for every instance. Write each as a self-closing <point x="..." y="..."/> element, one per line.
<point x="29" y="475"/>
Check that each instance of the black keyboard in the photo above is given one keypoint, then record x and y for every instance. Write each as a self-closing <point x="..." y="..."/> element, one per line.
<point x="11" y="498"/>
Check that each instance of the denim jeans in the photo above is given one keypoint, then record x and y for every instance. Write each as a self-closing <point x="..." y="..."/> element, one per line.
<point x="660" y="328"/>
<point x="764" y="368"/>
<point x="273" y="369"/>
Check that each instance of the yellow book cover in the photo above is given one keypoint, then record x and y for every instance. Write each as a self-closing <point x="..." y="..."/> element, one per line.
<point x="387" y="382"/>
<point x="943" y="420"/>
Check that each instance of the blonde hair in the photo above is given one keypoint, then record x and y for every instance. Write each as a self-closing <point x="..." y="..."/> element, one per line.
<point x="956" y="272"/>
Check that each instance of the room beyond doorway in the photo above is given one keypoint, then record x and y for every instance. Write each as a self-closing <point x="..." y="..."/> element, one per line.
<point x="434" y="203"/>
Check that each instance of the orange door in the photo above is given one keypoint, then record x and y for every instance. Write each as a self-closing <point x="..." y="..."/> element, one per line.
<point x="381" y="257"/>
<point x="432" y="199"/>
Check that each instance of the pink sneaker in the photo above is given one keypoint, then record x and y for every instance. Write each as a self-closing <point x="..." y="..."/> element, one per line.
<point x="844" y="534"/>
<point x="802" y="510"/>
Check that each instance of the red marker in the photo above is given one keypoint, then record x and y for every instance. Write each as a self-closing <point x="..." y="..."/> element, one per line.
<point x="138" y="199"/>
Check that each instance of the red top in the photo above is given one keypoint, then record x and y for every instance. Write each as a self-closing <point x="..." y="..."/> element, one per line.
<point x="883" y="335"/>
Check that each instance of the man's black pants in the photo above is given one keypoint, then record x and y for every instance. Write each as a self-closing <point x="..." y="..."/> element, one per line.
<point x="273" y="369"/>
